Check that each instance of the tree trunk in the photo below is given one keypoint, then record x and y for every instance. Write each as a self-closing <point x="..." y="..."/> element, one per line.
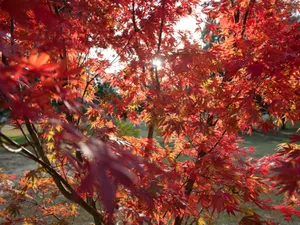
<point x="283" y="127"/>
<point x="97" y="220"/>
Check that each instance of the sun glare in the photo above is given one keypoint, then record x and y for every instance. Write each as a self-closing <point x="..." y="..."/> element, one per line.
<point x="157" y="63"/>
<point x="187" y="24"/>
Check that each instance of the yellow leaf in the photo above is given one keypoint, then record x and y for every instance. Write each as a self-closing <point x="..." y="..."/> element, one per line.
<point x="93" y="124"/>
<point x="193" y="97"/>
<point x="247" y="211"/>
<point x="26" y="223"/>
<point x="133" y="107"/>
<point x="50" y="145"/>
<point x="51" y="157"/>
<point x="171" y="157"/>
<point x="279" y="122"/>
<point x="50" y="135"/>
<point x="201" y="221"/>
<point x="73" y="208"/>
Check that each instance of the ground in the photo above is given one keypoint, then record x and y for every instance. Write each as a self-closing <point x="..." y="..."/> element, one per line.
<point x="14" y="163"/>
<point x="264" y="143"/>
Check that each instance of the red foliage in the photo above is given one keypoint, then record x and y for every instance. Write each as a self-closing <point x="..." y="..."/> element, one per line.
<point x="198" y="102"/>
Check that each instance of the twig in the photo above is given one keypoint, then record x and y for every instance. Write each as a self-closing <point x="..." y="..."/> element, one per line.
<point x="161" y="27"/>
<point x="85" y="57"/>
<point x="249" y="8"/>
<point x="6" y="147"/>
<point x="191" y="143"/>
<point x="191" y="181"/>
<point x="49" y="6"/>
<point x="12" y="42"/>
<point x="152" y="125"/>
<point x="136" y="29"/>
<point x="215" y="145"/>
<point x="36" y="141"/>
<point x="23" y="132"/>
<point x="64" y="187"/>
<point x="93" y="77"/>
<point x="12" y="35"/>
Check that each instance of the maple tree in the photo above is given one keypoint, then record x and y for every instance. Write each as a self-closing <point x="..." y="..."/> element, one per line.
<point x="198" y="101"/>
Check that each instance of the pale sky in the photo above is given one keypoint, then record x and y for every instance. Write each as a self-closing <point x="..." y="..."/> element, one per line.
<point x="188" y="24"/>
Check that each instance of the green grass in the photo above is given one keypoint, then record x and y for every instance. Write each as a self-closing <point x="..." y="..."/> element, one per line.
<point x="264" y="145"/>
<point x="19" y="139"/>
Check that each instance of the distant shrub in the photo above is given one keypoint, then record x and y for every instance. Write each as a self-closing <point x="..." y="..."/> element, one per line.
<point x="127" y="129"/>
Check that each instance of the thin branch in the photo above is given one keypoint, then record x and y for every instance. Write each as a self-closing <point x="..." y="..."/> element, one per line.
<point x="157" y="80"/>
<point x="64" y="53"/>
<point x="191" y="143"/>
<point x="9" y="149"/>
<point x="150" y="134"/>
<point x="11" y="142"/>
<point x="159" y="42"/>
<point x="25" y="136"/>
<point x="136" y="29"/>
<point x="12" y="42"/>
<point x="152" y="125"/>
<point x="49" y="6"/>
<point x="85" y="58"/>
<point x="96" y="75"/>
<point x="249" y="8"/>
<point x="215" y="145"/>
<point x="191" y="181"/>
<point x="36" y="204"/>
<point x="19" y="125"/>
<point x="169" y="205"/>
<point x="4" y="60"/>
<point x="36" y="141"/>
<point x="93" y="77"/>
<point x="12" y="34"/>
<point x="64" y="187"/>
<point x="161" y="26"/>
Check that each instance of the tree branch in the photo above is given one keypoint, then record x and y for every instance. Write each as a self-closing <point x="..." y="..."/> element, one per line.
<point x="161" y="27"/>
<point x="12" y="42"/>
<point x="216" y="144"/>
<point x="249" y="8"/>
<point x="63" y="186"/>
<point x="12" y="34"/>
<point x="152" y="125"/>
<point x="96" y="75"/>
<point x="191" y="181"/>
<point x="23" y="132"/>
<point x="136" y="29"/>
<point x="36" y="141"/>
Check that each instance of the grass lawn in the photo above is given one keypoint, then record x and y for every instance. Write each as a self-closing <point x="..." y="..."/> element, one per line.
<point x="12" y="163"/>
<point x="264" y="144"/>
